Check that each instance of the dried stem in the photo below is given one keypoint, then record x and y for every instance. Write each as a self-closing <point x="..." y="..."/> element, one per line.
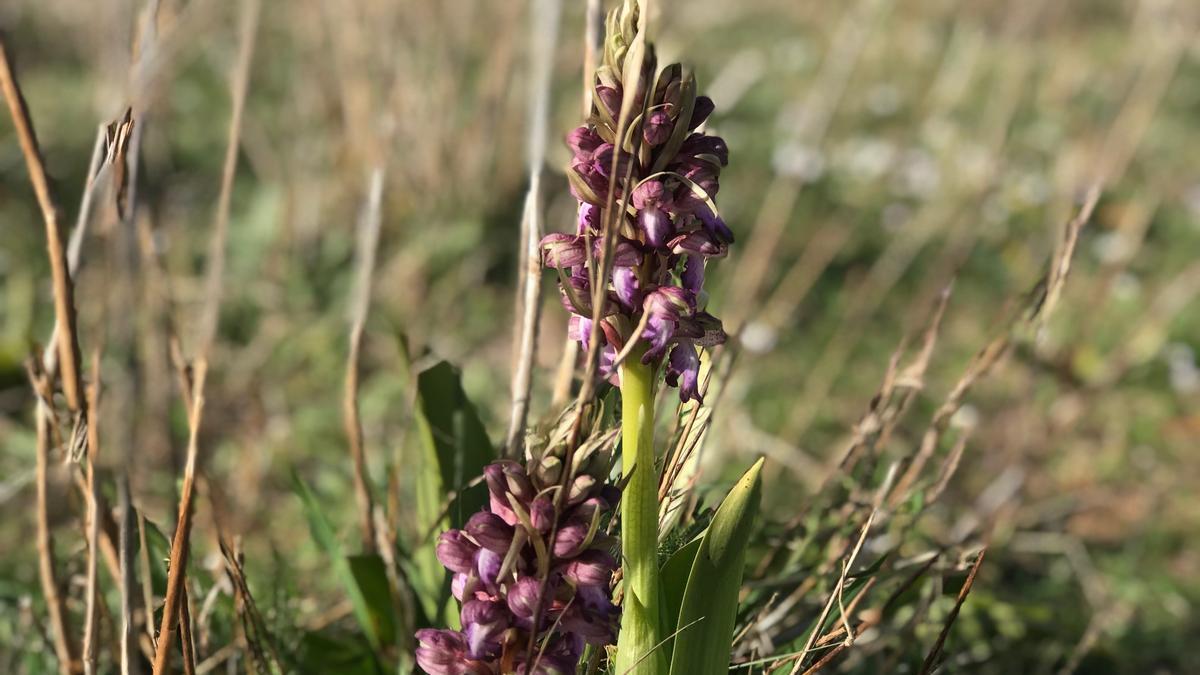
<point x="187" y="644"/>
<point x="544" y="36"/>
<point x="931" y="658"/>
<point x="93" y="520"/>
<point x="68" y="350"/>
<point x="208" y="327"/>
<point x="216" y="252"/>
<point x="64" y="298"/>
<point x="368" y="243"/>
<point x="183" y="528"/>
<point x="64" y="647"/>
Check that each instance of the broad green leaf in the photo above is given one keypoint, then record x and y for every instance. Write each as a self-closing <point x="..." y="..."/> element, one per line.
<point x="454" y="448"/>
<point x="673" y="579"/>
<point x="370" y="575"/>
<point x="709" y="608"/>
<point x="343" y="570"/>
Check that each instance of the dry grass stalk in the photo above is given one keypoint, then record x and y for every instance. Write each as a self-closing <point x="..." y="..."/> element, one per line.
<point x="90" y="642"/>
<point x="64" y="646"/>
<point x="931" y="658"/>
<point x="368" y="243"/>
<point x="216" y="253"/>
<point x="64" y="294"/>
<point x="68" y="350"/>
<point x="544" y="36"/>
<point x="187" y="644"/>
<point x="875" y="617"/>
<point x="1044" y="299"/>
<point x="183" y="528"/>
<point x="210" y="314"/>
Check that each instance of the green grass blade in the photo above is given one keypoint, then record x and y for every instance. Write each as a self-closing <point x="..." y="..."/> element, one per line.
<point x="326" y="537"/>
<point x="709" y="606"/>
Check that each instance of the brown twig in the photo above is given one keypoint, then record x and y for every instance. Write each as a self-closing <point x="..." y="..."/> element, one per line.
<point x="64" y="298"/>
<point x="368" y="243"/>
<point x="931" y="658"/>
<point x="64" y="647"/>
<point x="187" y="645"/>
<point x="183" y="528"/>
<point x="93" y="520"/>
<point x="68" y="350"/>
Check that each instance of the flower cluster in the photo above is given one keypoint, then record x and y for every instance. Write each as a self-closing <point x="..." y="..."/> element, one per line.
<point x="667" y="226"/>
<point x="523" y="546"/>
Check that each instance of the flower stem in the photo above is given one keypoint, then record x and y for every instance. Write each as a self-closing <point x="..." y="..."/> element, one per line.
<point x="637" y="651"/>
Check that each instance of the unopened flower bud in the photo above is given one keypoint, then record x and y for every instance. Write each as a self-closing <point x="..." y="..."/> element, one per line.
<point x="595" y="630"/>
<point x="441" y="652"/>
<point x="581" y="488"/>
<point x="591" y="568"/>
<point x="549" y="468"/>
<point x="584" y="141"/>
<point x="657" y="128"/>
<point x="523" y="597"/>
<point x="700" y="242"/>
<point x="610" y="98"/>
<point x="570" y="539"/>
<point x="542" y="514"/>
<point x="456" y="551"/>
<point x="693" y="273"/>
<point x="490" y="531"/>
<point x="560" y="250"/>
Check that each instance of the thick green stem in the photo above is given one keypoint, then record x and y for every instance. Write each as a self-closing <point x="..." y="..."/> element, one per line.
<point x="638" y="651"/>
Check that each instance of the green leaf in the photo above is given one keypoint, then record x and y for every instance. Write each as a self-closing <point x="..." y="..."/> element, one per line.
<point x="709" y="608"/>
<point x="323" y="652"/>
<point x="454" y="448"/>
<point x="158" y="548"/>
<point x="343" y="570"/>
<point x="673" y="579"/>
<point x="370" y="574"/>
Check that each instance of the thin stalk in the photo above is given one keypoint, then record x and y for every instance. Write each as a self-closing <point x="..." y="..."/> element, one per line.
<point x="64" y="648"/>
<point x="90" y="641"/>
<point x="640" y="630"/>
<point x="368" y="243"/>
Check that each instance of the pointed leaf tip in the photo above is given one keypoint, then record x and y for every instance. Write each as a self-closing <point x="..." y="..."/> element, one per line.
<point x="730" y="529"/>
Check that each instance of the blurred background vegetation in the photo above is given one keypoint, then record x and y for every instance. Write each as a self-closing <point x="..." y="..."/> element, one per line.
<point x="879" y="149"/>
